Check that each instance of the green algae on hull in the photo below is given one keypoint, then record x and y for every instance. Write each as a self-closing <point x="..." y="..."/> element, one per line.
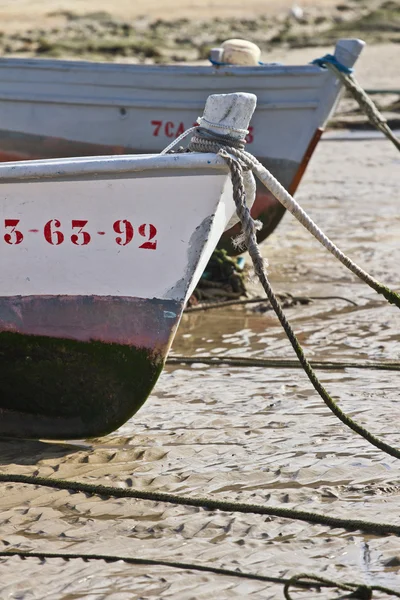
<point x="52" y="387"/>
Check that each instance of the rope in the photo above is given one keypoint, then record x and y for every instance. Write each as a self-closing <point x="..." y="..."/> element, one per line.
<point x="227" y="128"/>
<point x="206" y="503"/>
<point x="373" y="91"/>
<point x="163" y="563"/>
<point x="365" y="103"/>
<point x="285" y="363"/>
<point x="302" y="581"/>
<point x="199" y="144"/>
<point x="301" y="299"/>
<point x="361" y="591"/>
<point x="249" y="232"/>
<point x="178" y="139"/>
<point x="223" y="139"/>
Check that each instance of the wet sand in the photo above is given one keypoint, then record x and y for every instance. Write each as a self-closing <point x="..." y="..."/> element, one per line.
<point x="254" y="435"/>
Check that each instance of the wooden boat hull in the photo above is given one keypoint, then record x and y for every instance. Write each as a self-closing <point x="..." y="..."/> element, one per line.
<point x="66" y="108"/>
<point x="99" y="258"/>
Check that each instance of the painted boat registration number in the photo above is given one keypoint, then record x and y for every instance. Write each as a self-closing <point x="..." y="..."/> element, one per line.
<point x="78" y="233"/>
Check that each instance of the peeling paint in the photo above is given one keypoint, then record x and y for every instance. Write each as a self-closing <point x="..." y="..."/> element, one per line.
<point x="195" y="248"/>
<point x="169" y="315"/>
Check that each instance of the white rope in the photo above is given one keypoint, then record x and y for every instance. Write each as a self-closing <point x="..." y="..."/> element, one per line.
<point x="281" y="194"/>
<point x="201" y="144"/>
<point x="241" y="132"/>
<point x="178" y="139"/>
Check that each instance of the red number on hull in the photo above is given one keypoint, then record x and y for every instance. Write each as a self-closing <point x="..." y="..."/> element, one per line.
<point x="157" y="127"/>
<point x="250" y="135"/>
<point x="180" y="130"/>
<point x="124" y="228"/>
<point x="149" y="232"/>
<point x="170" y="129"/>
<point x="53" y="236"/>
<point x="14" y="236"/>
<point x="82" y="238"/>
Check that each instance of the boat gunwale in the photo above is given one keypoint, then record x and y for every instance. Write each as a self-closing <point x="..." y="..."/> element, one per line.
<point x="263" y="70"/>
<point x="114" y="165"/>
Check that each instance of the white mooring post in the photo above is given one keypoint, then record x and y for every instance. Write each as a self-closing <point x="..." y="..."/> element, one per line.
<point x="230" y="114"/>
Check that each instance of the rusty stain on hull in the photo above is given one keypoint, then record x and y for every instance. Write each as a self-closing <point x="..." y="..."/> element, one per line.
<point x="16" y="145"/>
<point x="73" y="367"/>
<point x="306" y="159"/>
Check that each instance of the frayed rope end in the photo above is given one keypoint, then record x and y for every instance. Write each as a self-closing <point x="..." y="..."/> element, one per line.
<point x="239" y="242"/>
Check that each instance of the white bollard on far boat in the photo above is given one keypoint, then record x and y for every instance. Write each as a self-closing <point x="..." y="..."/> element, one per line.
<point x="99" y="256"/>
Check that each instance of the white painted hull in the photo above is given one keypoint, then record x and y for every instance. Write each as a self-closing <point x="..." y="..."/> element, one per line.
<point x="98" y="259"/>
<point x="93" y="234"/>
<point x="144" y="108"/>
<point x="65" y="108"/>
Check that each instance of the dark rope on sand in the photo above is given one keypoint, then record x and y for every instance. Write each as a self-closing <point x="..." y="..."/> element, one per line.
<point x="304" y="580"/>
<point x="294" y="299"/>
<point x="281" y="363"/>
<point x="356" y="590"/>
<point x="162" y="563"/>
<point x="205" y="503"/>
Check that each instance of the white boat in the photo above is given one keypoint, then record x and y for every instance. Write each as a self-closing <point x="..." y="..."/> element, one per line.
<point x="55" y="108"/>
<point x="98" y="258"/>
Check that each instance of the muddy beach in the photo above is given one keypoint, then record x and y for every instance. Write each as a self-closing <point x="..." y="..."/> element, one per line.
<point x="255" y="435"/>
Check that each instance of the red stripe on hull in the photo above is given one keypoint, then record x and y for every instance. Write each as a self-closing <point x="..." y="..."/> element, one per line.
<point x="141" y="322"/>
